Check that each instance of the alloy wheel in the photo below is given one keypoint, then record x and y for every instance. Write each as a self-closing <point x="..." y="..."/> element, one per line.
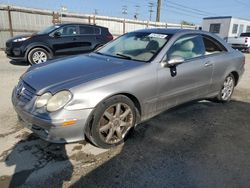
<point x="39" y="57"/>
<point x="115" y="123"/>
<point x="227" y="89"/>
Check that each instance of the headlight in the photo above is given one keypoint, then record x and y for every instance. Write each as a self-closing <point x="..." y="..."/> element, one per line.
<point x="21" y="39"/>
<point x="58" y="101"/>
<point x="43" y="100"/>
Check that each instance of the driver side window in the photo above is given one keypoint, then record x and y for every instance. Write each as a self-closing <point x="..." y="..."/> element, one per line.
<point x="187" y="47"/>
<point x="70" y="30"/>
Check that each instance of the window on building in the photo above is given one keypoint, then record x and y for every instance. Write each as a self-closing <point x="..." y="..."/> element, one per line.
<point x="248" y="29"/>
<point x="235" y="28"/>
<point x="214" y="28"/>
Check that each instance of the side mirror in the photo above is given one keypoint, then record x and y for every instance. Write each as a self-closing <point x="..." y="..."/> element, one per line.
<point x="173" y="61"/>
<point x="57" y="34"/>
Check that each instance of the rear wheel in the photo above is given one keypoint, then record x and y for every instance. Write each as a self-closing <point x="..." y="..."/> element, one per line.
<point x="112" y="121"/>
<point x="38" y="55"/>
<point x="227" y="89"/>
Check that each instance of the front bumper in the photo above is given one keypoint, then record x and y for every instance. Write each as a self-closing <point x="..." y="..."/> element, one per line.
<point x="14" y="52"/>
<point x="51" y="128"/>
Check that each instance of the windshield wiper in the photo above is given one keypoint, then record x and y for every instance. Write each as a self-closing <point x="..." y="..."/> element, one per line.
<point x="124" y="56"/>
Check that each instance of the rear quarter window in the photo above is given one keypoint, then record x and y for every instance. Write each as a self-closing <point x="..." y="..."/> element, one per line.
<point x="212" y="46"/>
<point x="87" y="30"/>
<point x="97" y="31"/>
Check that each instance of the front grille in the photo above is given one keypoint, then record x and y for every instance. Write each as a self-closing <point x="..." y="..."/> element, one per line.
<point x="24" y="91"/>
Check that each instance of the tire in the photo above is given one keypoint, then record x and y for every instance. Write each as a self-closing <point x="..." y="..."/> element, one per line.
<point x="112" y="121"/>
<point x="38" y="55"/>
<point x="227" y="89"/>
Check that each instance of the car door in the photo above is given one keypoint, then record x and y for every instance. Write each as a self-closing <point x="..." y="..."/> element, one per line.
<point x="187" y="81"/>
<point x="218" y="56"/>
<point x="87" y="38"/>
<point x="64" y="40"/>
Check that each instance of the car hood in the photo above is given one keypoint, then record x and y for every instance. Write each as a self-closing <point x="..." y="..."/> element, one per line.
<point x="83" y="68"/>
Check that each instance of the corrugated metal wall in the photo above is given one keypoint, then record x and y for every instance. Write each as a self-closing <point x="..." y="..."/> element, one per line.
<point x="19" y="20"/>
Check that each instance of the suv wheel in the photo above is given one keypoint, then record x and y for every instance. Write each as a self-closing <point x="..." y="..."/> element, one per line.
<point x="38" y="55"/>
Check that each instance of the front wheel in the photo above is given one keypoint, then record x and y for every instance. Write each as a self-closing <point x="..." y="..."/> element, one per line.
<point x="227" y="89"/>
<point x="112" y="121"/>
<point x="38" y="55"/>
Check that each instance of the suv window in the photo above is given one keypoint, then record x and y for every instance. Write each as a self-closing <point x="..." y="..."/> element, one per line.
<point x="187" y="47"/>
<point x="68" y="30"/>
<point x="212" y="46"/>
<point x="97" y="31"/>
<point x="87" y="30"/>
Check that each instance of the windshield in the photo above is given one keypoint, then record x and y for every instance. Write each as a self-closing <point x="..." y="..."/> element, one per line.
<point x="48" y="29"/>
<point x="140" y="46"/>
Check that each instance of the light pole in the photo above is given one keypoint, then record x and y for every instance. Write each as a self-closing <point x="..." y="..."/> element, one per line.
<point x="63" y="9"/>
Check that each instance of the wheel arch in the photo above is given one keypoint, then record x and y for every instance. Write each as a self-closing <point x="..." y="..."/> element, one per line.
<point x="37" y="45"/>
<point x="236" y="77"/>
<point x="132" y="97"/>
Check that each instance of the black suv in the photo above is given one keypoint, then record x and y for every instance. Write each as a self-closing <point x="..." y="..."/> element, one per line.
<point x="57" y="40"/>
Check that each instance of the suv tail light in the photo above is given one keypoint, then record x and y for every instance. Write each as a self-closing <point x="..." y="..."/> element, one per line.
<point x="109" y="36"/>
<point x="246" y="39"/>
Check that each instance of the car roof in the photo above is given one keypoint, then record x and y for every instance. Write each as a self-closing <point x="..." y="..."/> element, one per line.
<point x="83" y="24"/>
<point x="169" y="31"/>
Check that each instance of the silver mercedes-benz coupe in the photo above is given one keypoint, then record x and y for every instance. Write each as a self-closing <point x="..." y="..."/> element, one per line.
<point x="102" y="95"/>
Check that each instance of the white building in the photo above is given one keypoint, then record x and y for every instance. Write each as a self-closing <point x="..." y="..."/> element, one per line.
<point x="226" y="26"/>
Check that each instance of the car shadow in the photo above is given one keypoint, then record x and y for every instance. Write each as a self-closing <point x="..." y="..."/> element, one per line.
<point x="19" y="63"/>
<point x="37" y="164"/>
<point x="200" y="144"/>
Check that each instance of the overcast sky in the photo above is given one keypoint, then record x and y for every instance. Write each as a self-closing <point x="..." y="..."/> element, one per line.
<point x="173" y="11"/>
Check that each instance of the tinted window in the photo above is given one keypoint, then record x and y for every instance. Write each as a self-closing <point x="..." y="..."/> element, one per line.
<point x="68" y="30"/>
<point x="235" y="28"/>
<point x="187" y="47"/>
<point x="214" y="28"/>
<point x="212" y="46"/>
<point x="97" y="31"/>
<point x="86" y="30"/>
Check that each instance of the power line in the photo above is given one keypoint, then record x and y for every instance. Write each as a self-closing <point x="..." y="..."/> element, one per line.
<point x="178" y="12"/>
<point x="242" y="3"/>
<point x="190" y="8"/>
<point x="189" y="11"/>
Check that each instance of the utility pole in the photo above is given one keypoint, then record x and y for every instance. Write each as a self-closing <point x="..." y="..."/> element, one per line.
<point x="158" y="14"/>
<point x="136" y="12"/>
<point x="124" y="10"/>
<point x="96" y="12"/>
<point x="150" y="5"/>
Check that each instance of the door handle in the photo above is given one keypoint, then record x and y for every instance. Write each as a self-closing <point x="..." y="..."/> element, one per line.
<point x="208" y="64"/>
<point x="74" y="38"/>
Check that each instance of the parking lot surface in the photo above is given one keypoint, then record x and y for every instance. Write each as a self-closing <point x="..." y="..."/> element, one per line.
<point x="199" y="144"/>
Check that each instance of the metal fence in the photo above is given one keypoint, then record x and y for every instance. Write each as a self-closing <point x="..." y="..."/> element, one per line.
<point x="19" y="20"/>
